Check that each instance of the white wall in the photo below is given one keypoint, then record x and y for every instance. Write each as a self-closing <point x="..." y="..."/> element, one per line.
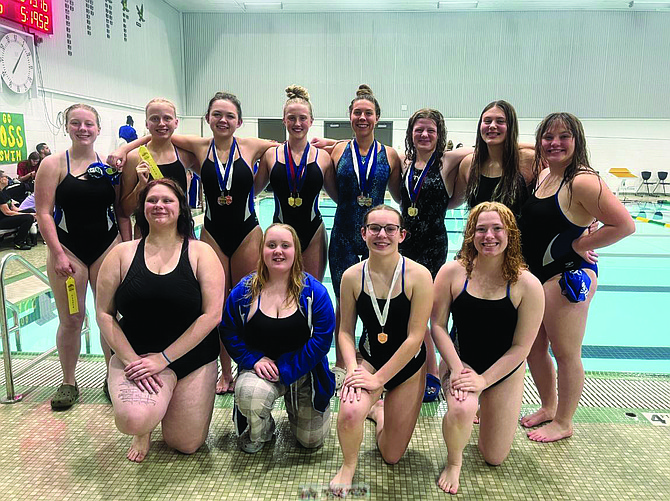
<point x="114" y="76"/>
<point x="595" y="64"/>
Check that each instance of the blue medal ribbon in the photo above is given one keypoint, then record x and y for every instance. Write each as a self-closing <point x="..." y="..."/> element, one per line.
<point x="413" y="191"/>
<point x="296" y="180"/>
<point x="365" y="179"/>
<point x="225" y="177"/>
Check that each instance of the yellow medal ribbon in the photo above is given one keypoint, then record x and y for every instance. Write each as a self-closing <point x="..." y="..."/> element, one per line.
<point x="145" y="155"/>
<point x="72" y="302"/>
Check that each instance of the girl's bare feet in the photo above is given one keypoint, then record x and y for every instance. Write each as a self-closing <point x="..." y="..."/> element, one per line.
<point x="139" y="448"/>
<point x="538" y="417"/>
<point x="550" y="433"/>
<point x="449" y="477"/>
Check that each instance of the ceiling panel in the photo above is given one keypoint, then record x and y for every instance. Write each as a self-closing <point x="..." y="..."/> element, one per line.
<point x="293" y="6"/>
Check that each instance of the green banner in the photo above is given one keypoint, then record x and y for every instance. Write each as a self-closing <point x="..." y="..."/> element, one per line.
<point x="12" y="138"/>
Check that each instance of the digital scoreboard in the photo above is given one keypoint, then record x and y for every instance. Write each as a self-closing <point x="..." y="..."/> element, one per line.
<point x="35" y="14"/>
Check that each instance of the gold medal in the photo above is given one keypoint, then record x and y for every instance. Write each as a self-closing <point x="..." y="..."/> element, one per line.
<point x="382" y="337"/>
<point x="368" y="201"/>
<point x="221" y="200"/>
<point x="298" y="201"/>
<point x="362" y="200"/>
<point x="412" y="211"/>
<point x="291" y="201"/>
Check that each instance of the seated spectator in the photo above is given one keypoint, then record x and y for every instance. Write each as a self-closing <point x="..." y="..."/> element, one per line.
<point x="42" y="150"/>
<point x="10" y="218"/>
<point x="27" y="169"/>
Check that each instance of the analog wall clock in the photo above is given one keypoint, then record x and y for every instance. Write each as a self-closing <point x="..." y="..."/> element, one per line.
<point x="16" y="63"/>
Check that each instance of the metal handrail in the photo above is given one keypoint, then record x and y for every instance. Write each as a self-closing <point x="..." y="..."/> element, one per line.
<point x="4" y="331"/>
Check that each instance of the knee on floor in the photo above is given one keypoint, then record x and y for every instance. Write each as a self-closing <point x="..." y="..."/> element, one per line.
<point x="494" y="458"/>
<point x="185" y="445"/>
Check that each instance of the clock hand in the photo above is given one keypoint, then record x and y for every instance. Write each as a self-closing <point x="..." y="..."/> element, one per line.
<point x="17" y="62"/>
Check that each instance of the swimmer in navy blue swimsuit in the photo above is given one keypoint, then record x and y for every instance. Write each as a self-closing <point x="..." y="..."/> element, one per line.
<point x="361" y="184"/>
<point x="392" y="295"/>
<point x="297" y="172"/>
<point x="168" y="288"/>
<point x="161" y="121"/>
<point x="559" y="250"/>
<point x="496" y="306"/>
<point x="75" y="212"/>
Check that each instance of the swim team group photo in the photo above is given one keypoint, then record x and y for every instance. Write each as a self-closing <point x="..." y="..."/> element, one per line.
<point x="431" y="259"/>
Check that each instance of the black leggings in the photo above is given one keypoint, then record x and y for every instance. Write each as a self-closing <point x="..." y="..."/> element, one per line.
<point x="22" y="223"/>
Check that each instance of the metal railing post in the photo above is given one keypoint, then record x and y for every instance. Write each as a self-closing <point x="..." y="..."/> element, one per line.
<point x="4" y="331"/>
<point x="6" y="348"/>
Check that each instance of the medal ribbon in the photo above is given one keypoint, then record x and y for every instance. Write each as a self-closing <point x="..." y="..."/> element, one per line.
<point x="224" y="175"/>
<point x="295" y="180"/>
<point x="382" y="316"/>
<point x="413" y="192"/>
<point x="361" y="165"/>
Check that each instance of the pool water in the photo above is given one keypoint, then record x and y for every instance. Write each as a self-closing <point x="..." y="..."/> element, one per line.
<point x="627" y="328"/>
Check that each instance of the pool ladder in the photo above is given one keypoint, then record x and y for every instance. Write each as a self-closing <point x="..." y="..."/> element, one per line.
<point x="12" y="397"/>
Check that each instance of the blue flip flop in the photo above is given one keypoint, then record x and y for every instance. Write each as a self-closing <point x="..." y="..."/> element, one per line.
<point x="433" y="388"/>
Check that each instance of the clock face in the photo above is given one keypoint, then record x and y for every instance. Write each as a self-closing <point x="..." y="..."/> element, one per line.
<point x="16" y="63"/>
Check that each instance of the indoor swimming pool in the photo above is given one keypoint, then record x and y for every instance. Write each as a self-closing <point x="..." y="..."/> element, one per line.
<point x="625" y="331"/>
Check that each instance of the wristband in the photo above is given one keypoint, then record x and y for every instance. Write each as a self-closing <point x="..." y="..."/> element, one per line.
<point x="166" y="358"/>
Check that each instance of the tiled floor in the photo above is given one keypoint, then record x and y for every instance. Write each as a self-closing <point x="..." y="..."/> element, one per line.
<point x="79" y="454"/>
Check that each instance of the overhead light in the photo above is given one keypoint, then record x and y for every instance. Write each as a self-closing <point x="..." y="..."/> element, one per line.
<point x="649" y="5"/>
<point x="263" y="6"/>
<point x="457" y="5"/>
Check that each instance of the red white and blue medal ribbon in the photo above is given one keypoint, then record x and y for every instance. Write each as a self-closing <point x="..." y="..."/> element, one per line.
<point x="296" y="177"/>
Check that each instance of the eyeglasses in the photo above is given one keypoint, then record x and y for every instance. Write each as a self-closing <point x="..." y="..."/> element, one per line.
<point x="389" y="229"/>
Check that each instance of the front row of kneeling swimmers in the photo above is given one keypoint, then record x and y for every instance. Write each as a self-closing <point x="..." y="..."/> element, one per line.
<point x="168" y="287"/>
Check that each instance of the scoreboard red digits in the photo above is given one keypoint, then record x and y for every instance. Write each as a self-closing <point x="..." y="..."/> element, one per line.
<point x="35" y="14"/>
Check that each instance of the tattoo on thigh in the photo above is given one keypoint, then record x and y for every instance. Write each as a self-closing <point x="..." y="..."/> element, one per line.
<point x="130" y="393"/>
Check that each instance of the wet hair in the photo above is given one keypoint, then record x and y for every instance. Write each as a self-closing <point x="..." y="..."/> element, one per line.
<point x="579" y="164"/>
<point x="77" y="106"/>
<point x="383" y="207"/>
<point x="438" y="119"/>
<point x="364" y="92"/>
<point x="185" y="226"/>
<point x="296" y="275"/>
<point x="226" y="96"/>
<point x="34" y="156"/>
<point x="513" y="262"/>
<point x="512" y="185"/>
<point x="160" y="100"/>
<point x="298" y="94"/>
<point x="39" y="147"/>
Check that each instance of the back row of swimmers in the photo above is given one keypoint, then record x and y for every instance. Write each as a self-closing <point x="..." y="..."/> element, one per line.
<point x="565" y="196"/>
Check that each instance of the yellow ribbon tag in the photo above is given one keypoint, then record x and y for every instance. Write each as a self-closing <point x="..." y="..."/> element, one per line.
<point x="153" y="167"/>
<point x="72" y="302"/>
